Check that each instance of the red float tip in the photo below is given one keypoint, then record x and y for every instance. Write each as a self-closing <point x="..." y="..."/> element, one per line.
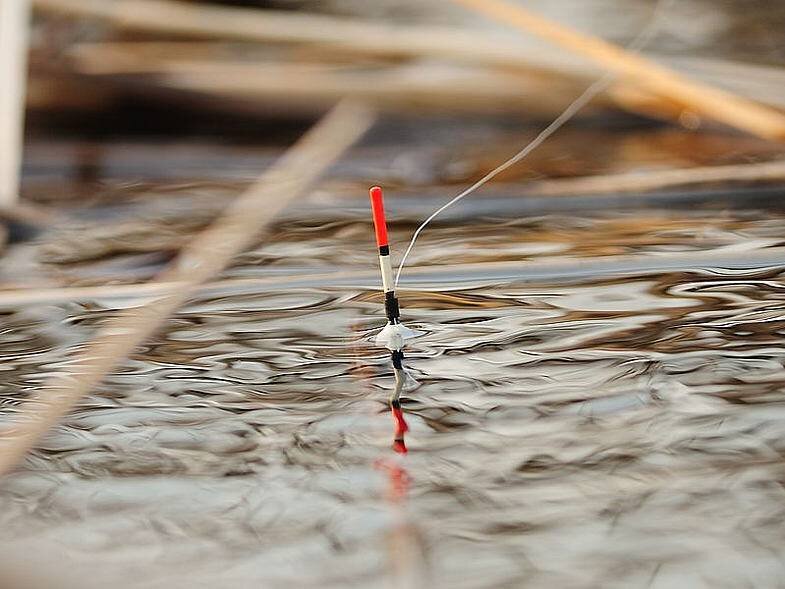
<point x="379" y="220"/>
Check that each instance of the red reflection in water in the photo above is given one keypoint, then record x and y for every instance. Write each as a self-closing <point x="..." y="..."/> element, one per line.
<point x="407" y="560"/>
<point x="397" y="477"/>
<point x="401" y="427"/>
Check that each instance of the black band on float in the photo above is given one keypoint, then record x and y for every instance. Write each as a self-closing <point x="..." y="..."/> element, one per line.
<point x="397" y="359"/>
<point x="391" y="307"/>
<point x="384" y="250"/>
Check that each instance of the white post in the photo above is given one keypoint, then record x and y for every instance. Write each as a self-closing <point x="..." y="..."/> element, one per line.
<point x="14" y="26"/>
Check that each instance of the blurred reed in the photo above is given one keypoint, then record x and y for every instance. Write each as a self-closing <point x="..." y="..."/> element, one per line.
<point x="704" y="100"/>
<point x="14" y="25"/>
<point x="206" y="254"/>
<point x="393" y="65"/>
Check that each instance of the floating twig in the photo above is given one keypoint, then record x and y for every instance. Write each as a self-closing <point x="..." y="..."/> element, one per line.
<point x="14" y="24"/>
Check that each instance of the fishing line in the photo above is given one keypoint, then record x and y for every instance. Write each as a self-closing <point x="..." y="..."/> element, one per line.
<point x="640" y="41"/>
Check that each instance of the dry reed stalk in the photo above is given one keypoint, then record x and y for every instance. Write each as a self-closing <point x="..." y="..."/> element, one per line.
<point x="374" y="39"/>
<point x="473" y="47"/>
<point x="206" y="255"/>
<point x="762" y="83"/>
<point x="326" y="33"/>
<point x="29" y="214"/>
<point x="357" y="38"/>
<point x="704" y="100"/>
<point x="519" y="90"/>
<point x="417" y="88"/>
<point x="657" y="179"/>
<point x="20" y="297"/>
<point x="323" y="32"/>
<point x="312" y="84"/>
<point x="14" y="25"/>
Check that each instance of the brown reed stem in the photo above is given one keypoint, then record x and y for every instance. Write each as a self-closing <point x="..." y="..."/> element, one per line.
<point x="205" y="256"/>
<point x="704" y="100"/>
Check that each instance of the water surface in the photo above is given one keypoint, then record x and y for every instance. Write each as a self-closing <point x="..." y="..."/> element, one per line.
<point x="571" y="429"/>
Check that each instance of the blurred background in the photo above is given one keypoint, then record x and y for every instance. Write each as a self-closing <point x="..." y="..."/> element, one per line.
<point x="595" y="393"/>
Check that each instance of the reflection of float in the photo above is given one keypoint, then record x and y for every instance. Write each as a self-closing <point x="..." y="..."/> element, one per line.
<point x="397" y="475"/>
<point x="407" y="559"/>
<point x="398" y="480"/>
<point x="399" y="435"/>
<point x="406" y="549"/>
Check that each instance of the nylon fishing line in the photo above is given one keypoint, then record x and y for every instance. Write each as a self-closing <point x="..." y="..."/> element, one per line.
<point x="642" y="39"/>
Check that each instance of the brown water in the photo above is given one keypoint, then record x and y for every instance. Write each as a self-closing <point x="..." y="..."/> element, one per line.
<point x="604" y="410"/>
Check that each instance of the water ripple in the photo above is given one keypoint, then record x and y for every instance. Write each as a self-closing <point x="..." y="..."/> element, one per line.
<point x="572" y="427"/>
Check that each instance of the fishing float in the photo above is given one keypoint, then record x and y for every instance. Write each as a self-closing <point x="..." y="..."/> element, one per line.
<point x="393" y="336"/>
